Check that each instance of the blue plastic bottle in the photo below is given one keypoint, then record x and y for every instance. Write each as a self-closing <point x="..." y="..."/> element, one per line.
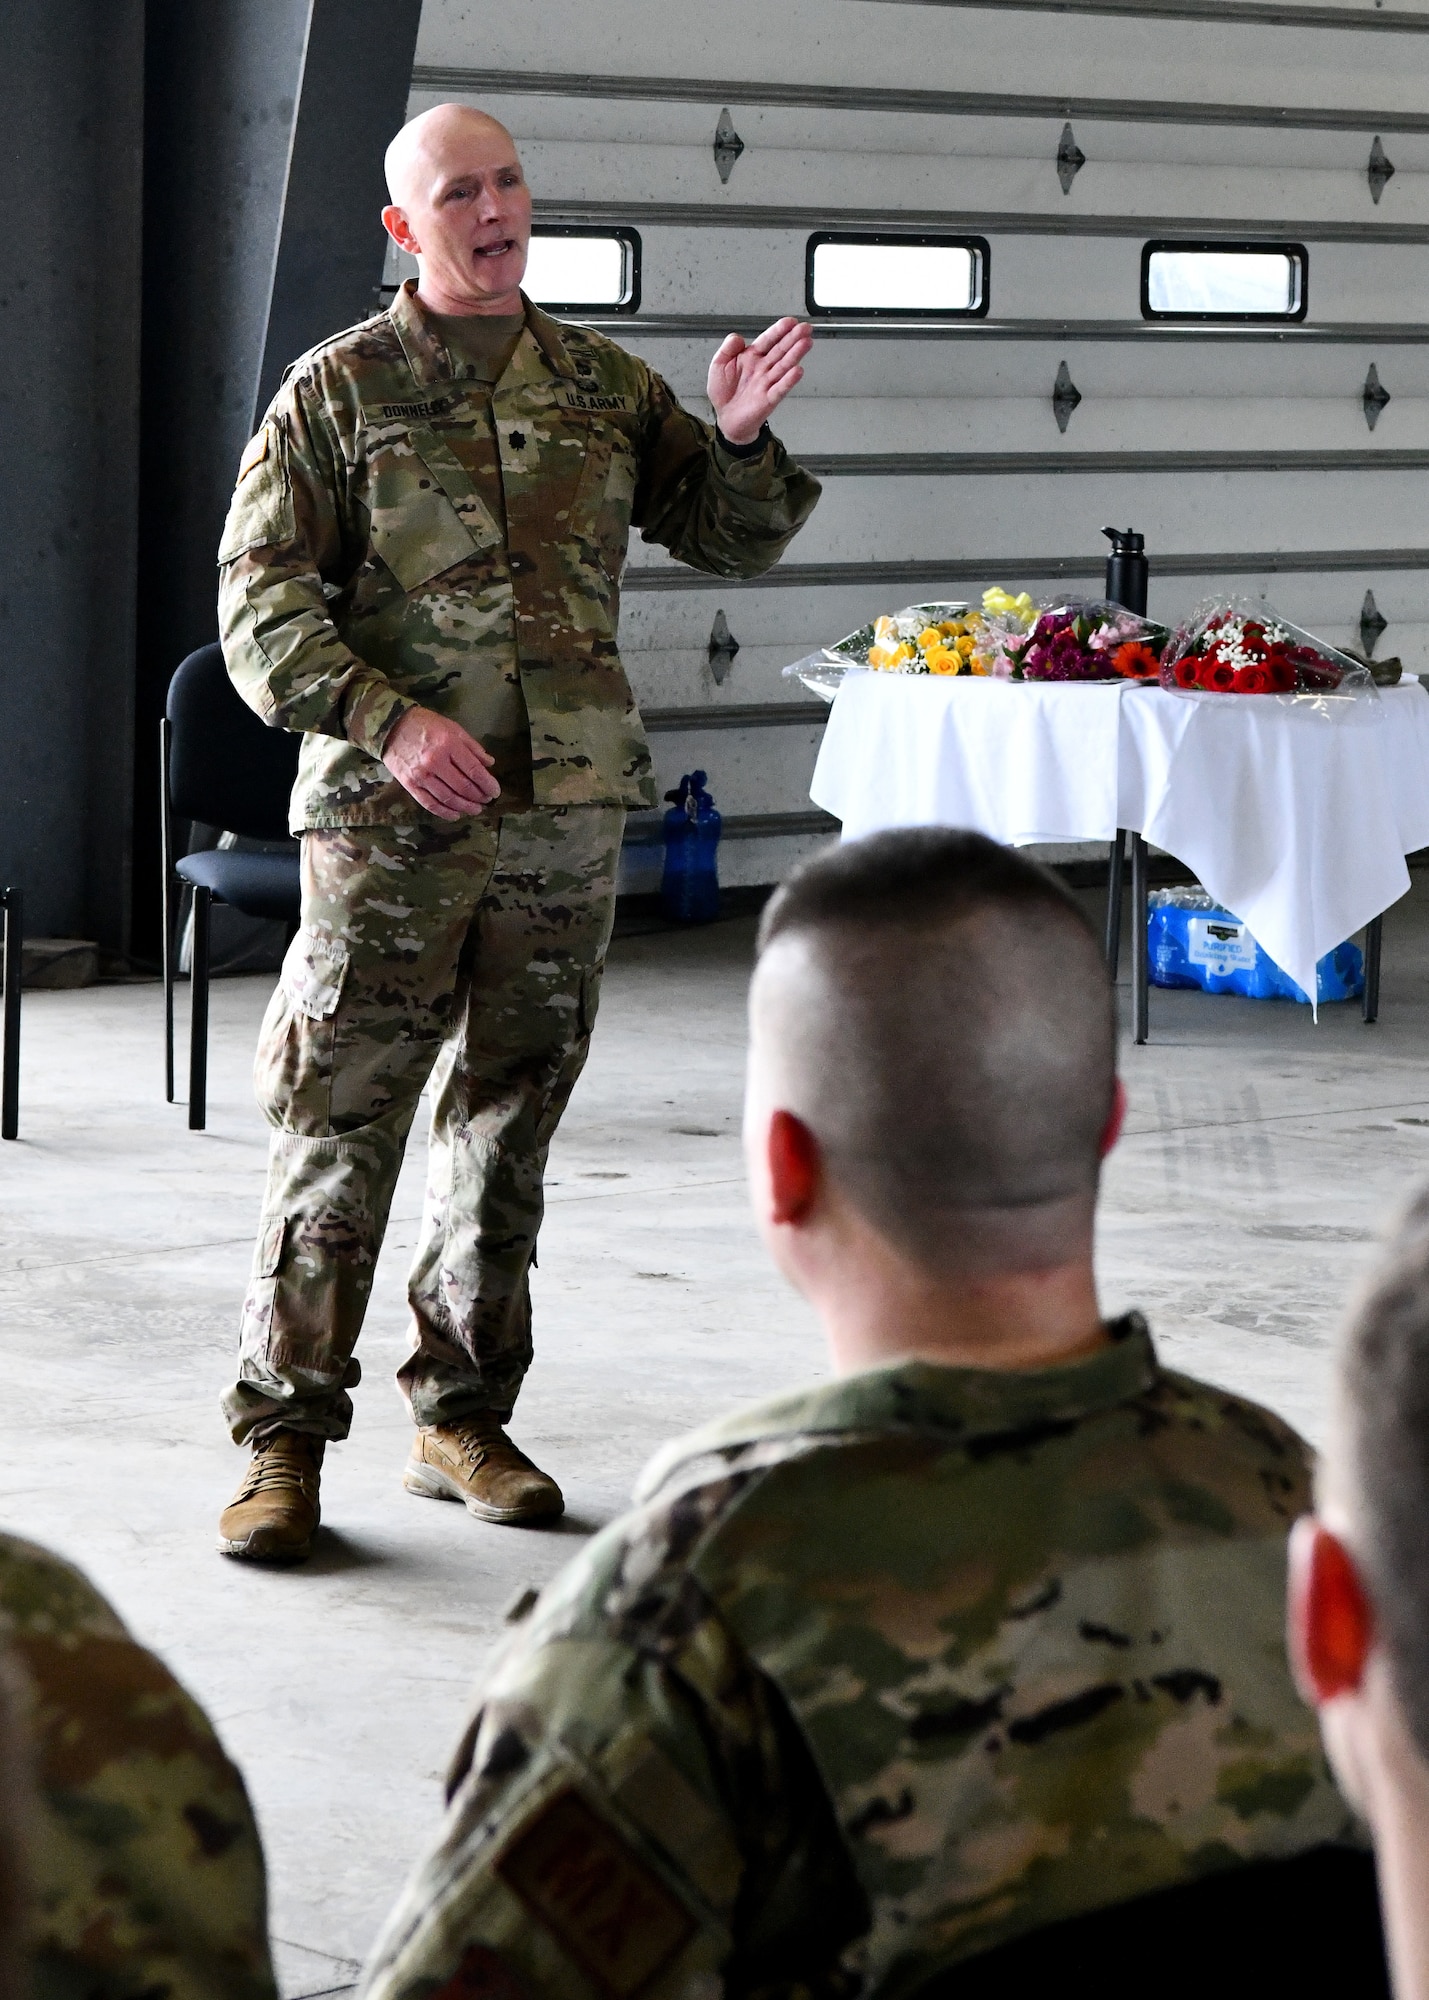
<point x="689" y="891"/>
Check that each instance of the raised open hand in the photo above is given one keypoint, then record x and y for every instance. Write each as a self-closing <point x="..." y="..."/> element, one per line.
<point x="749" y="379"/>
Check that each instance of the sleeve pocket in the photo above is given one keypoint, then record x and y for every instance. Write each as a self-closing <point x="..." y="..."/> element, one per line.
<point x="314" y="969"/>
<point x="260" y="514"/>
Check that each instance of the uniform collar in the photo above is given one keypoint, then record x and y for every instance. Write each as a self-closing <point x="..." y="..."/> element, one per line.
<point x="965" y="1404"/>
<point x="430" y="363"/>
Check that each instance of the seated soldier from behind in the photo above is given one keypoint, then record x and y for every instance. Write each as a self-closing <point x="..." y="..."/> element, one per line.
<point x="1359" y="1593"/>
<point x="144" y="1871"/>
<point x="982" y="1634"/>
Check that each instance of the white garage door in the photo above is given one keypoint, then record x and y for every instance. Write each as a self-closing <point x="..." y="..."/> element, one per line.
<point x="1259" y="456"/>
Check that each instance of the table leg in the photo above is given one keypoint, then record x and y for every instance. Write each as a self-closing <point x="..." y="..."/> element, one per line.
<point x="1140" y="967"/>
<point x="1115" y="868"/>
<point x="1373" y="936"/>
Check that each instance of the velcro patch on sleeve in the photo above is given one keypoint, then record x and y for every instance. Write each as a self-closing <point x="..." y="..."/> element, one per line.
<point x="254" y="452"/>
<point x="598" y="1898"/>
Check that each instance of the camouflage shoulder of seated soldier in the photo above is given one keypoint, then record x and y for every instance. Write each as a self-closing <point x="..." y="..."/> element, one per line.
<point x="1029" y="1631"/>
<point x="146" y="1869"/>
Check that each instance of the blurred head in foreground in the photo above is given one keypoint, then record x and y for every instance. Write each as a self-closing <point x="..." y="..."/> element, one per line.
<point x="1359" y="1587"/>
<point x="932" y="1087"/>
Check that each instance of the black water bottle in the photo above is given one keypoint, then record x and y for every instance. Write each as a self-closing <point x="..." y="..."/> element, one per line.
<point x="1126" y="569"/>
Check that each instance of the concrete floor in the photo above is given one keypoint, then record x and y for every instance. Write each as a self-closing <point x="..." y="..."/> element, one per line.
<point x="1262" y="1155"/>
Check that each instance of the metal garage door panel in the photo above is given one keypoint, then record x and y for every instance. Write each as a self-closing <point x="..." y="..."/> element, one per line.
<point x="1206" y="126"/>
<point x="853" y="43"/>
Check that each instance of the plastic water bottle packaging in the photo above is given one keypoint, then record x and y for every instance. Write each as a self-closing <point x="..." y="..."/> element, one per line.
<point x="1192" y="941"/>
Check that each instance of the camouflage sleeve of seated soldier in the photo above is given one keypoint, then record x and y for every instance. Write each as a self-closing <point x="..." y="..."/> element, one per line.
<point x="631" y="1810"/>
<point x="146" y="1871"/>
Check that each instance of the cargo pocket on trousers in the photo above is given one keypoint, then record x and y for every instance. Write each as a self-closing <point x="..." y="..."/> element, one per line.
<point x="293" y="1072"/>
<point x="256" y="1323"/>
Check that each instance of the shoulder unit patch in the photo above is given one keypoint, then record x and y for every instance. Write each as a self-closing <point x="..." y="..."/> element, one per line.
<point x="586" y="1885"/>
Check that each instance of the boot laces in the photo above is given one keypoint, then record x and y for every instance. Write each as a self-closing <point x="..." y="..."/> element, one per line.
<point x="270" y="1471"/>
<point x="477" y="1441"/>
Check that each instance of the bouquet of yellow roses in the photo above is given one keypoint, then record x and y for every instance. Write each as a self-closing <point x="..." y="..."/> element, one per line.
<point x="928" y="639"/>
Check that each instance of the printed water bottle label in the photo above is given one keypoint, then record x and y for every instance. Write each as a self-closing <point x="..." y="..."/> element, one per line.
<point x="1219" y="945"/>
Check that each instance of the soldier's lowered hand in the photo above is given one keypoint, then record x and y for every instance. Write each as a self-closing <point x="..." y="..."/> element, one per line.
<point x="445" y="769"/>
<point x="749" y="379"/>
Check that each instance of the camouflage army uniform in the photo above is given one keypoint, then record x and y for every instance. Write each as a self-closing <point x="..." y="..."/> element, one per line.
<point x="875" y="1678"/>
<point x="146" y="1871"/>
<point x="402" y="533"/>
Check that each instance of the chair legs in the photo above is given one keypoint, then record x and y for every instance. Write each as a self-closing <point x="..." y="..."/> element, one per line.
<point x="12" y="972"/>
<point x="198" y="1013"/>
<point x="1116" y="866"/>
<point x="1373" y="938"/>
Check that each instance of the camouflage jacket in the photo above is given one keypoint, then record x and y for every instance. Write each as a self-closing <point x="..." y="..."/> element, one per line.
<point x="146" y="1870"/>
<point x="875" y="1678"/>
<point x="405" y="533"/>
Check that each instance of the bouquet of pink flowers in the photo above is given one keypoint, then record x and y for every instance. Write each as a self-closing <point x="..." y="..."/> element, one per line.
<point x="1091" y="642"/>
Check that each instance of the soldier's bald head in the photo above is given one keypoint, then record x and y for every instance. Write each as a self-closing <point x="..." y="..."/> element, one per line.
<point x="935" y="1008"/>
<point x="446" y="141"/>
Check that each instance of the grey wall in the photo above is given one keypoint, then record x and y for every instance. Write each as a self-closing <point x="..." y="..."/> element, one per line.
<point x="71" y="97"/>
<point x="263" y="190"/>
<point x="192" y="193"/>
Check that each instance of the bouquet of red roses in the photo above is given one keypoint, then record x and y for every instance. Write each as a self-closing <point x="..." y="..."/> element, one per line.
<point x="1236" y="648"/>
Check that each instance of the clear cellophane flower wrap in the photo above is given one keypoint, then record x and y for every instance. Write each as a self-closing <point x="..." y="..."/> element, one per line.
<point x="1094" y="641"/>
<point x="942" y="638"/>
<point x="1237" y="645"/>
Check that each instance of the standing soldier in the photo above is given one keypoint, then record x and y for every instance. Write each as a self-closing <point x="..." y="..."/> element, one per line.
<point x="420" y="572"/>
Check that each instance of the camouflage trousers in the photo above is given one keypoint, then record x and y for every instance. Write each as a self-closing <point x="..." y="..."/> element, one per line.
<point x="469" y="953"/>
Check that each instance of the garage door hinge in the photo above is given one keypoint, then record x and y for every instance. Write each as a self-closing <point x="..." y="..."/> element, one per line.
<point x="1065" y="397"/>
<point x="728" y="145"/>
<point x="1372" y="623"/>
<point x="1374" y="396"/>
<point x="1379" y="170"/>
<point x="723" y="647"/>
<point x="1071" y="159"/>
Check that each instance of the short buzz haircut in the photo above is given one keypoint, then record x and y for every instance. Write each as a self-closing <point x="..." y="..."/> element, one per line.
<point x="948" y="1033"/>
<point x="1381" y="1447"/>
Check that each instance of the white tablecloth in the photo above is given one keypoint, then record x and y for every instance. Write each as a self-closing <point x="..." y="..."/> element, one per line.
<point x="1296" y="821"/>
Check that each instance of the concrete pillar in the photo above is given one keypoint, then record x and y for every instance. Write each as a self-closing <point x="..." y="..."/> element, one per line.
<point x="71" y="115"/>
<point x="263" y="192"/>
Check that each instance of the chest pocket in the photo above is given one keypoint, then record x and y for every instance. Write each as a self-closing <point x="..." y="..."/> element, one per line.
<point x="427" y="515"/>
<point x="605" y="497"/>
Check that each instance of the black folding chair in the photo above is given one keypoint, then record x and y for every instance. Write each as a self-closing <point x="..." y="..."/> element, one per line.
<point x="221" y="765"/>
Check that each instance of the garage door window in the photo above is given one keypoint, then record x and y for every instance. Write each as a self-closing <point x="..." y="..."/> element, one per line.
<point x="584" y="270"/>
<point x="1224" y="281"/>
<point x="896" y="277"/>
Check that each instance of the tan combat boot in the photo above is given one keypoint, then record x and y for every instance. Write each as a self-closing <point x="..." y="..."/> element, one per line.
<point x="475" y="1462"/>
<point x="273" y="1515"/>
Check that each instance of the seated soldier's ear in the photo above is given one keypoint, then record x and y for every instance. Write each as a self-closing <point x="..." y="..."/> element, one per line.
<point x="1115" y="1118"/>
<point x="1331" y="1625"/>
<point x="794" y="1168"/>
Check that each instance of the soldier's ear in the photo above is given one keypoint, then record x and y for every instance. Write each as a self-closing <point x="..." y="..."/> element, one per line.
<point x="795" y="1168"/>
<point x="1116" y="1117"/>
<point x="394" y="221"/>
<point x="1331" y="1623"/>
